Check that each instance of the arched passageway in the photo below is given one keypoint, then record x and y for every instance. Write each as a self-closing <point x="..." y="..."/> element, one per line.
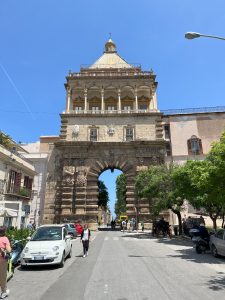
<point x="72" y="189"/>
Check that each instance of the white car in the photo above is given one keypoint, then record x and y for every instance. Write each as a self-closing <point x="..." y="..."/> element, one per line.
<point x="49" y="245"/>
<point x="217" y="243"/>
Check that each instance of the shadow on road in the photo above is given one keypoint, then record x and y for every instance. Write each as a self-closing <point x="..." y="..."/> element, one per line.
<point x="191" y="255"/>
<point x="108" y="229"/>
<point x="184" y="250"/>
<point x="217" y="283"/>
<point x="36" y="268"/>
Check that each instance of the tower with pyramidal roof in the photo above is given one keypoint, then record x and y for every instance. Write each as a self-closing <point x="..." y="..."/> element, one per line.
<point x="111" y="121"/>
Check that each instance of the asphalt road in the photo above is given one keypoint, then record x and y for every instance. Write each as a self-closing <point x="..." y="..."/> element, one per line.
<point x="126" y="266"/>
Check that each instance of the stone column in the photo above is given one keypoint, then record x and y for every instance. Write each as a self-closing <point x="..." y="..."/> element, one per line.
<point x="85" y="100"/>
<point x="103" y="103"/>
<point x="68" y="99"/>
<point x="136" y="100"/>
<point x="154" y="99"/>
<point x="119" y="102"/>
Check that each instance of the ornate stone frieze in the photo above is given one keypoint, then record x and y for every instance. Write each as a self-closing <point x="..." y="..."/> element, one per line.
<point x="68" y="175"/>
<point x="81" y="179"/>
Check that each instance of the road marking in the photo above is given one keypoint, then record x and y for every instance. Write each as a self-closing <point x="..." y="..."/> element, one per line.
<point x="179" y="247"/>
<point x="106" y="289"/>
<point x="93" y="238"/>
<point x="106" y="238"/>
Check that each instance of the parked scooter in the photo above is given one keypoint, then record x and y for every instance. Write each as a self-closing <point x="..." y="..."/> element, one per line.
<point x="17" y="248"/>
<point x="201" y="243"/>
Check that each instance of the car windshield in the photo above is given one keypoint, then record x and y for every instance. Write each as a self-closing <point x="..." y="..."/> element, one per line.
<point x="72" y="225"/>
<point x="47" y="234"/>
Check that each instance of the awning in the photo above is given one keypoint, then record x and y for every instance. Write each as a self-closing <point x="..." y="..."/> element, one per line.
<point x="8" y="212"/>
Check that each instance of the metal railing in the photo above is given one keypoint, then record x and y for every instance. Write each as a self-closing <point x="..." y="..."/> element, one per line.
<point x="111" y="73"/>
<point x="193" y="110"/>
<point x="15" y="152"/>
<point x="111" y="111"/>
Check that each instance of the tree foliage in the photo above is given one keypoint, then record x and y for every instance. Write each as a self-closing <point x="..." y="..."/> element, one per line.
<point x="158" y="186"/>
<point x="103" y="195"/>
<point x="5" y="140"/>
<point x="120" y="205"/>
<point x="200" y="182"/>
<point x="207" y="181"/>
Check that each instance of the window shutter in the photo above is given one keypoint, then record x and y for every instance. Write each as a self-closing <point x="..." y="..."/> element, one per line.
<point x="189" y="147"/>
<point x="17" y="183"/>
<point x="200" y="146"/>
<point x="30" y="182"/>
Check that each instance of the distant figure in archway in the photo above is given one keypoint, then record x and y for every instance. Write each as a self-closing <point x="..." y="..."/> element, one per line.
<point x="113" y="224"/>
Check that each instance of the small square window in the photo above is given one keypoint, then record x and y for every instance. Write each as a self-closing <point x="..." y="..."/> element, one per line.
<point x="129" y="133"/>
<point x="167" y="131"/>
<point x="93" y="134"/>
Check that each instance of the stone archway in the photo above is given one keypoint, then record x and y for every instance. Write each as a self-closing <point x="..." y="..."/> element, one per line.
<point x="73" y="171"/>
<point x="128" y="170"/>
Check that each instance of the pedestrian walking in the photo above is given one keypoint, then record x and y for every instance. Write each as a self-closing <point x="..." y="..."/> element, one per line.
<point x="5" y="249"/>
<point x="128" y="226"/>
<point x="85" y="238"/>
<point x="133" y="224"/>
<point x="124" y="224"/>
<point x="142" y="225"/>
<point x="202" y="220"/>
<point x="30" y="225"/>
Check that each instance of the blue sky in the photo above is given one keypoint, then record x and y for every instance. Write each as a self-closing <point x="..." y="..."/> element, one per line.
<point x="41" y="40"/>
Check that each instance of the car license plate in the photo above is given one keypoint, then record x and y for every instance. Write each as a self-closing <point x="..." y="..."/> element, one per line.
<point x="38" y="258"/>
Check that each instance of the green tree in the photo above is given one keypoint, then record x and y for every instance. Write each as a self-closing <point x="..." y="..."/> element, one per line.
<point x="120" y="205"/>
<point x="158" y="186"/>
<point x="103" y="195"/>
<point x="201" y="189"/>
<point x="5" y="140"/>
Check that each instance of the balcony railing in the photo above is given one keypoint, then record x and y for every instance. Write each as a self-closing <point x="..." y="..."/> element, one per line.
<point x="107" y="112"/>
<point x="111" y="73"/>
<point x="183" y="111"/>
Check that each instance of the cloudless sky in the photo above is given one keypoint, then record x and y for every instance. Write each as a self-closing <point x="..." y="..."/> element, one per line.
<point x="41" y="40"/>
<point x="110" y="181"/>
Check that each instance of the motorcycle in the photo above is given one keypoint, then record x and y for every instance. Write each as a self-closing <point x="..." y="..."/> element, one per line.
<point x="17" y="248"/>
<point x="201" y="244"/>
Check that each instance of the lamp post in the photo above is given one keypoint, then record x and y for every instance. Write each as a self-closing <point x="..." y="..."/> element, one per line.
<point x="194" y="35"/>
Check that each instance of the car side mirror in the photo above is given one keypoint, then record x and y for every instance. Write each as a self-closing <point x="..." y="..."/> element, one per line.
<point x="67" y="237"/>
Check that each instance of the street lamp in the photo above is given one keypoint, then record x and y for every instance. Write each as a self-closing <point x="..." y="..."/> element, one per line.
<point x="194" y="35"/>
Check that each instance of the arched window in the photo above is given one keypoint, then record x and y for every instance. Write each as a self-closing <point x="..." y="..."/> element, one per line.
<point x="194" y="146"/>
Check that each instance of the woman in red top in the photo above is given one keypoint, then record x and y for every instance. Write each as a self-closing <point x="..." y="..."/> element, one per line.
<point x="4" y="248"/>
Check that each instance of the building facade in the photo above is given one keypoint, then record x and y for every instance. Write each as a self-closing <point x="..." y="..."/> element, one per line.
<point x="112" y="122"/>
<point x="189" y="133"/>
<point x="16" y="179"/>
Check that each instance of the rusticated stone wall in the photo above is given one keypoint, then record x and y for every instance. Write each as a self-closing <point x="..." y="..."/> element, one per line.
<point x="73" y="171"/>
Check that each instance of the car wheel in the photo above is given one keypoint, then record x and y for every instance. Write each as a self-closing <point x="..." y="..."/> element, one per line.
<point x="214" y="251"/>
<point x="70" y="253"/>
<point x="62" y="263"/>
<point x="22" y="267"/>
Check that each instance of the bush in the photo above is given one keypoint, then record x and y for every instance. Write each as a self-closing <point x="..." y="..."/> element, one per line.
<point x="19" y="234"/>
<point x="24" y="192"/>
